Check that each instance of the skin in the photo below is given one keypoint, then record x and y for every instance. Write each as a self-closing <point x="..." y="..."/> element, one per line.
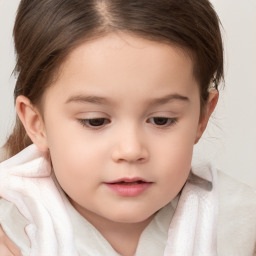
<point x="128" y="82"/>
<point x="7" y="247"/>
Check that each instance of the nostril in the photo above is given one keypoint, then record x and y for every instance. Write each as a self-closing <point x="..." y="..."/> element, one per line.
<point x="141" y="160"/>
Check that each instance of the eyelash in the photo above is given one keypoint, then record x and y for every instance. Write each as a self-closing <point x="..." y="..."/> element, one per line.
<point x="167" y="122"/>
<point x="102" y="122"/>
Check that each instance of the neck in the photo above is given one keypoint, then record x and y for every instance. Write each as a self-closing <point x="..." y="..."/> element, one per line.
<point x="123" y="237"/>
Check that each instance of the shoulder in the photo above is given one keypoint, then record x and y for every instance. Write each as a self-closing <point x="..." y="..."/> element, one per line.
<point x="237" y="217"/>
<point x="234" y="195"/>
<point x="13" y="224"/>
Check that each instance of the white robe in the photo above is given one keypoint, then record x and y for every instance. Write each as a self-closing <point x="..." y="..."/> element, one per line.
<point x="200" y="226"/>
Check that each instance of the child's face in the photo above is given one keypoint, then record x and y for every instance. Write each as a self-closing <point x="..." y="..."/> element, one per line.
<point x="122" y="108"/>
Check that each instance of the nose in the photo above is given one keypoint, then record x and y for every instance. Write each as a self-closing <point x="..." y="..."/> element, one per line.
<point x="130" y="147"/>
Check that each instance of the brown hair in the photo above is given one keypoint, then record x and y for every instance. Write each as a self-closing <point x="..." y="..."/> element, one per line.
<point x="46" y="31"/>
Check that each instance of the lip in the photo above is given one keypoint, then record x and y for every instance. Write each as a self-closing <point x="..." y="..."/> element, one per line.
<point x="129" y="187"/>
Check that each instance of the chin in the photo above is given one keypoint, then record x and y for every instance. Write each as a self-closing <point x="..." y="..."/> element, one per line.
<point x="131" y="216"/>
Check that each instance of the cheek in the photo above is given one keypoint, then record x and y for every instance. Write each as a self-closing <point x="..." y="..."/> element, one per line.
<point x="173" y="157"/>
<point x="74" y="158"/>
<point x="176" y="147"/>
<point x="174" y="168"/>
<point x="69" y="144"/>
<point x="175" y="163"/>
<point x="73" y="168"/>
<point x="78" y="160"/>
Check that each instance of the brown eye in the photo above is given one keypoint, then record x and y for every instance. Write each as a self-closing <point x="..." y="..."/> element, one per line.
<point x="162" y="121"/>
<point x="94" y="122"/>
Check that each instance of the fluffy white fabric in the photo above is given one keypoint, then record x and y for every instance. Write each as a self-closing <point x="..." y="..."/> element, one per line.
<point x="26" y="181"/>
<point x="193" y="229"/>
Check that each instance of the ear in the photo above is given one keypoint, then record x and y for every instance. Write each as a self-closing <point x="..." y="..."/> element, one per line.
<point x="32" y="122"/>
<point x="209" y="108"/>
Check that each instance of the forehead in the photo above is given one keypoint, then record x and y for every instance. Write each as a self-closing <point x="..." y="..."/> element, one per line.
<point x="122" y="62"/>
<point x="126" y="47"/>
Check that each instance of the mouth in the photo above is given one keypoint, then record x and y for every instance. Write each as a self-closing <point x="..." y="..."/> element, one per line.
<point x="129" y="181"/>
<point x="129" y="187"/>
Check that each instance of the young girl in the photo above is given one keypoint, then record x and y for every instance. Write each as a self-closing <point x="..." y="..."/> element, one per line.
<point x="111" y="96"/>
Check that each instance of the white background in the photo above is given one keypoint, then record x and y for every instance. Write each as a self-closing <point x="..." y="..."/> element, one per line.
<point x="230" y="139"/>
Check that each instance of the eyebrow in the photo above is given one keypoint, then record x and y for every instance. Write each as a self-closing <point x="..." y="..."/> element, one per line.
<point x="101" y="100"/>
<point x="87" y="99"/>
<point x="169" y="98"/>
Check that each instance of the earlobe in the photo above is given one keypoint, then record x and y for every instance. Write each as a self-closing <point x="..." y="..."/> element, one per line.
<point x="32" y="122"/>
<point x="209" y="108"/>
